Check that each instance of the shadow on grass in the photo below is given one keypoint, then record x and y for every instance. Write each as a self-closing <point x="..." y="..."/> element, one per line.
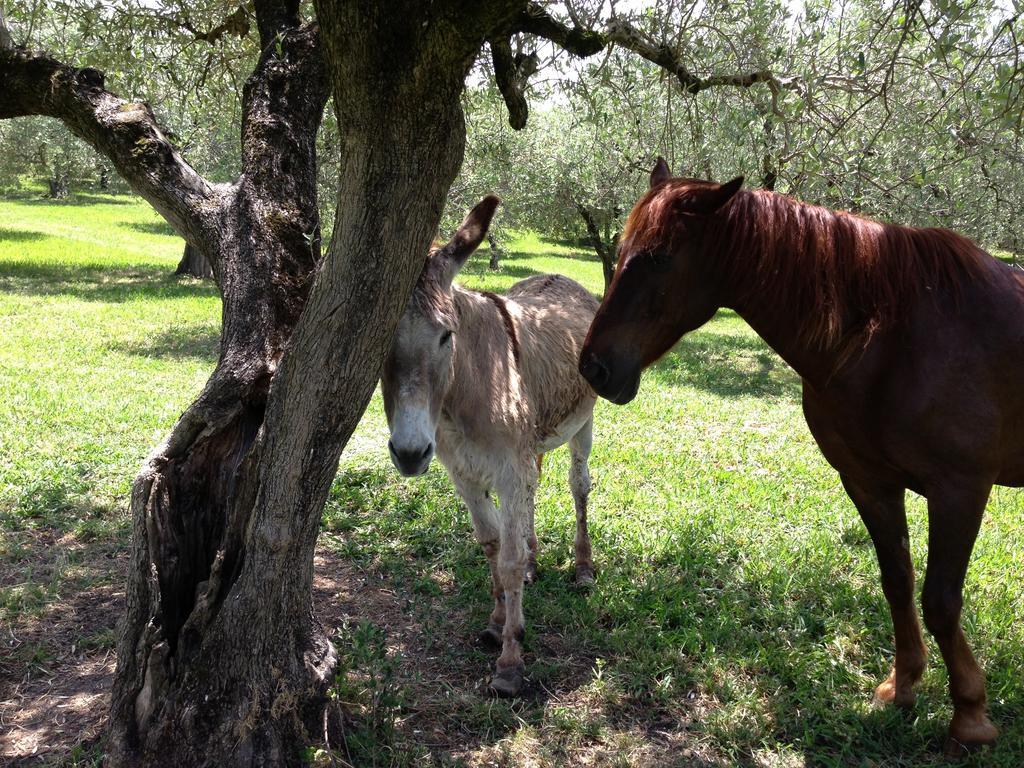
<point x="150" y="227"/>
<point x="199" y="342"/>
<point x="75" y="199"/>
<point x="727" y="365"/>
<point x="708" y="645"/>
<point x="98" y="282"/>
<point x="20" y="235"/>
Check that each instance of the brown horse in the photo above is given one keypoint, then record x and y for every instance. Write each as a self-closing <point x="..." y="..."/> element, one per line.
<point x="910" y="344"/>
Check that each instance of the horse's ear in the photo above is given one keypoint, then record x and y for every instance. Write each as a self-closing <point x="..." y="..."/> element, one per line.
<point x="469" y="235"/>
<point x="716" y="197"/>
<point x="660" y="173"/>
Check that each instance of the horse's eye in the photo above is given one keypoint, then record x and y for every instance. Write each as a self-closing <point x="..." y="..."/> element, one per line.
<point x="445" y="338"/>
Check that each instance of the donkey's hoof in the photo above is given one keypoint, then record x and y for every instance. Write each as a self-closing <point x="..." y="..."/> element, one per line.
<point x="531" y="573"/>
<point x="967" y="735"/>
<point x="490" y="637"/>
<point x="507" y="682"/>
<point x="584" y="576"/>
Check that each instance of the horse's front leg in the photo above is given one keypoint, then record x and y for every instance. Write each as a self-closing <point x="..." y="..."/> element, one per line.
<point x="517" y="498"/>
<point x="883" y="512"/>
<point x="487" y="530"/>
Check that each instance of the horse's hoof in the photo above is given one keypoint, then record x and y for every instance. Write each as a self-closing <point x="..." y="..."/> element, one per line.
<point x="490" y="637"/>
<point x="967" y="735"/>
<point x="584" y="576"/>
<point x="507" y="682"/>
<point x="887" y="694"/>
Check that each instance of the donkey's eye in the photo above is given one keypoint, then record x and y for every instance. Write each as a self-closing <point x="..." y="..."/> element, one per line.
<point x="445" y="338"/>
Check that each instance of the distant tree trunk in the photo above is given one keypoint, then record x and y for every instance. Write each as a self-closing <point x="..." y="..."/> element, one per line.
<point x="104" y="180"/>
<point x="605" y="249"/>
<point x="495" y="254"/>
<point x="59" y="186"/>
<point x="193" y="263"/>
<point x="769" y="161"/>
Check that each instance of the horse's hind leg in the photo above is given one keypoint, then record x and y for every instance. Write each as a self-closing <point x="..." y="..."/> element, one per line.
<point x="954" y="517"/>
<point x="579" y="481"/>
<point x="883" y="513"/>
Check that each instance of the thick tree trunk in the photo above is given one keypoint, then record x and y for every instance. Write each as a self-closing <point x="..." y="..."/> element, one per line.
<point x="193" y="686"/>
<point x="221" y="661"/>
<point x="193" y="263"/>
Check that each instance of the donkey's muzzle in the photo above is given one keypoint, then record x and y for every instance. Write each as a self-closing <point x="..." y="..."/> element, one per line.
<point x="411" y="461"/>
<point x="613" y="380"/>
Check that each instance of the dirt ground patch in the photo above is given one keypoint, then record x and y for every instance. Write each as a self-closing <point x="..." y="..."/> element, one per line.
<point x="58" y="665"/>
<point x="57" y="661"/>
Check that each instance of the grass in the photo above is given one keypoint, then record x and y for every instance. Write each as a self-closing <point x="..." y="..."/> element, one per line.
<point x="736" y="618"/>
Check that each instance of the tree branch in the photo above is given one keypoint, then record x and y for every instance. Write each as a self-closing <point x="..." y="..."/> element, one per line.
<point x="581" y="42"/>
<point x="5" y="36"/>
<point x="126" y="132"/>
<point x="511" y="73"/>
<point x="235" y="23"/>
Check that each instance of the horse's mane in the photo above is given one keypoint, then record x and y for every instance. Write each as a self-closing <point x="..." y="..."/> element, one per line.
<point x="844" y="274"/>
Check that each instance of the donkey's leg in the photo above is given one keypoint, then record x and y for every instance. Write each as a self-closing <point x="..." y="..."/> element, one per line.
<point x="487" y="530"/>
<point x="954" y="517"/>
<point x="579" y="481"/>
<point x="532" y="571"/>
<point x="517" y="498"/>
<point x="882" y="510"/>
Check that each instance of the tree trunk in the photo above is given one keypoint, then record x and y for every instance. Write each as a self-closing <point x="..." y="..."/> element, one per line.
<point x="59" y="186"/>
<point x="495" y="253"/>
<point x="605" y="250"/>
<point x="195" y="684"/>
<point x="193" y="263"/>
<point x="221" y="661"/>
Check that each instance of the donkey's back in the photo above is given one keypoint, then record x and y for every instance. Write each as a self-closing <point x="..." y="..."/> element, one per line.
<point x="552" y="315"/>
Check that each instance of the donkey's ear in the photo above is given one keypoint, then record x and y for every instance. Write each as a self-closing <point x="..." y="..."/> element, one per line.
<point x="660" y="173"/>
<point x="716" y="197"/>
<point x="469" y="235"/>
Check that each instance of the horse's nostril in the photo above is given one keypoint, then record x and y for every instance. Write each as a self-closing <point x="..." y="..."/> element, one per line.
<point x="426" y="451"/>
<point x="391" y="447"/>
<point x="594" y="371"/>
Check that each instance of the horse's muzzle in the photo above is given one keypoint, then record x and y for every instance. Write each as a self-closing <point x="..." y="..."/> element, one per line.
<point x="614" y="380"/>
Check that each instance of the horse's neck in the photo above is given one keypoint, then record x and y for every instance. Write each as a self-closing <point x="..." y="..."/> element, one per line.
<point x="779" y="322"/>
<point x="780" y="328"/>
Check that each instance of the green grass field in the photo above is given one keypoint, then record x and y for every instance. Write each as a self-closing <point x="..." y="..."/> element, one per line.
<point x="736" y="619"/>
